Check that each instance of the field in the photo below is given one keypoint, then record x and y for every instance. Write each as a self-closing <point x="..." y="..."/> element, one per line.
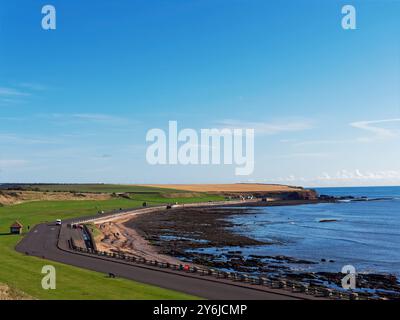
<point x="99" y="188"/>
<point x="24" y="272"/>
<point x="220" y="188"/>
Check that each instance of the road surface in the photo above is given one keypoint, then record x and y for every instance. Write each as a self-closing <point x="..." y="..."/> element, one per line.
<point x="42" y="241"/>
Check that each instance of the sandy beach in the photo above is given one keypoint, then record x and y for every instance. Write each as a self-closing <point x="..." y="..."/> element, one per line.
<point x="156" y="234"/>
<point x="146" y="233"/>
<point x="116" y="237"/>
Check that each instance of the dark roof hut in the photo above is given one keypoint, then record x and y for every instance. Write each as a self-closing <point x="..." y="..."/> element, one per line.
<point x="16" y="228"/>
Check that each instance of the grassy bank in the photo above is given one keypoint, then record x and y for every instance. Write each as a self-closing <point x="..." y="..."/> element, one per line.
<point x="106" y="188"/>
<point x="24" y="272"/>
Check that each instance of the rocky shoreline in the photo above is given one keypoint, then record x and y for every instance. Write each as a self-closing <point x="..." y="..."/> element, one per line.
<point x="184" y="233"/>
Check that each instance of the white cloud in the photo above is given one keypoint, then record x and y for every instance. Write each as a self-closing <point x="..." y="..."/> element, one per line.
<point x="305" y="155"/>
<point x="377" y="131"/>
<point x="267" y="128"/>
<point x="88" y="117"/>
<point x="32" y="86"/>
<point x="324" y="142"/>
<point x="295" y="155"/>
<point x="343" y="177"/>
<point x="12" y="163"/>
<point x="11" y="92"/>
<point x="12" y="95"/>
<point x="359" y="175"/>
<point x="372" y="126"/>
<point x="15" y="138"/>
<point x="95" y="117"/>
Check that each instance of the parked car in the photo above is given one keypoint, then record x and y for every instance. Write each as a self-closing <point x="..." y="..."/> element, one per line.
<point x="58" y="222"/>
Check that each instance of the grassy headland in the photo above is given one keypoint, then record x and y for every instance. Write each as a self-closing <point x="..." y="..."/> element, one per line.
<point x="24" y="272"/>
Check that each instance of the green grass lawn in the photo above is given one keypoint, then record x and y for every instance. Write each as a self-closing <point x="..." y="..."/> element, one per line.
<point x="24" y="272"/>
<point x="108" y="188"/>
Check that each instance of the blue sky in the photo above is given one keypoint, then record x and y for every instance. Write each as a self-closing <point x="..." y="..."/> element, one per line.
<point x="76" y="102"/>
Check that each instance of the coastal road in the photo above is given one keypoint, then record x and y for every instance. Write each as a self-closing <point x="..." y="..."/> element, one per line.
<point x="42" y="241"/>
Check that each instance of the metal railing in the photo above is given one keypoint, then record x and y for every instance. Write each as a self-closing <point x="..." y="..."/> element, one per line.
<point x="272" y="282"/>
<point x="269" y="282"/>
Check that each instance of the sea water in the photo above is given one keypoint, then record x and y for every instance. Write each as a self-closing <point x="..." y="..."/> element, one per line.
<point x="365" y="234"/>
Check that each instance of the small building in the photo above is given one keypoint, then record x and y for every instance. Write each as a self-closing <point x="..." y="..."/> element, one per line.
<point x="16" y="228"/>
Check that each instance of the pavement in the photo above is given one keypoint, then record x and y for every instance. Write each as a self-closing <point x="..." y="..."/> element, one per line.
<point x="43" y="241"/>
